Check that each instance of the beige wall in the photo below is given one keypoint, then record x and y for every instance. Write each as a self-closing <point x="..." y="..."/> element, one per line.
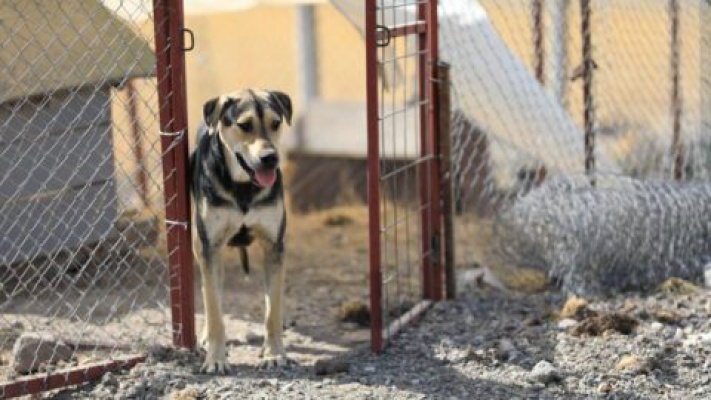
<point x="258" y="48"/>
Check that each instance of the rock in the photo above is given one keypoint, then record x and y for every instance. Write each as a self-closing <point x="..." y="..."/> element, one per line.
<point x="679" y="287"/>
<point x="32" y="351"/>
<point x="627" y="362"/>
<point x="566" y="323"/>
<point x="667" y="316"/>
<point x="599" y="324"/>
<point x="656" y="326"/>
<point x="506" y="350"/>
<point x="576" y="308"/>
<point x="605" y="387"/>
<point x="189" y="393"/>
<point x="544" y="372"/>
<point x="338" y="220"/>
<point x="332" y="366"/>
<point x="109" y="379"/>
<point x="355" y="311"/>
<point x="287" y="387"/>
<point x="678" y="336"/>
<point x="634" y="365"/>
<point x="254" y="339"/>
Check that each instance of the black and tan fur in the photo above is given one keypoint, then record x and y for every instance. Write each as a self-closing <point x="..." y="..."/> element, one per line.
<point x="231" y="208"/>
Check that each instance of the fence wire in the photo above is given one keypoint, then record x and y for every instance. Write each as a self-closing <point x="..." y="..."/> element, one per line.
<point x="596" y="171"/>
<point x="82" y="249"/>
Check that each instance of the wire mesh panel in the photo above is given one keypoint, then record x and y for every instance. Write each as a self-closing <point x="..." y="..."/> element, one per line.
<point x="580" y="146"/>
<point x="83" y="257"/>
<point x="403" y="169"/>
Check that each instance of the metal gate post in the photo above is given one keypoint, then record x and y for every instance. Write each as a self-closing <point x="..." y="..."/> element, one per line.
<point x="371" y="59"/>
<point x="170" y="73"/>
<point x="436" y="161"/>
<point x="425" y="168"/>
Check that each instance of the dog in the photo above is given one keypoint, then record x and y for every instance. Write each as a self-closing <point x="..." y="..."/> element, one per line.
<point x="236" y="186"/>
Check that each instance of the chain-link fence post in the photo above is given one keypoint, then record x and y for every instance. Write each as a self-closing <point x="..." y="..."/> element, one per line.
<point x="676" y="96"/>
<point x="588" y="99"/>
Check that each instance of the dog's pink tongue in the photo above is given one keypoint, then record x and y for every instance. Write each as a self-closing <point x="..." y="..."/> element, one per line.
<point x="265" y="177"/>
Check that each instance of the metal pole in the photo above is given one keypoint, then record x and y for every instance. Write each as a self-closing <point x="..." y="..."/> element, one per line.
<point x="676" y="101"/>
<point x="170" y="73"/>
<point x="371" y="60"/>
<point x="538" y="44"/>
<point x="705" y="68"/>
<point x="558" y="54"/>
<point x="436" y="161"/>
<point x="307" y="60"/>
<point x="445" y="152"/>
<point x="137" y="142"/>
<point x="589" y="111"/>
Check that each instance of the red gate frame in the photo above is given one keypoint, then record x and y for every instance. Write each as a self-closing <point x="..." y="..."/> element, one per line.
<point x="425" y="28"/>
<point x="170" y="57"/>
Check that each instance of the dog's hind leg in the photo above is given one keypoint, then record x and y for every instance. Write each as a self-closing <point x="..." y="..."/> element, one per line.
<point x="273" y="353"/>
<point x="214" y="339"/>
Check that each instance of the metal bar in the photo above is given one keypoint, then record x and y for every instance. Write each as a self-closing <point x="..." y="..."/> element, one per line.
<point x="435" y="163"/>
<point x="409" y="317"/>
<point x="445" y="151"/>
<point x="588" y="103"/>
<point x="538" y="45"/>
<point x="426" y="231"/>
<point x="416" y="28"/>
<point x="676" y="100"/>
<point x="371" y="59"/>
<point x="170" y="73"/>
<point x="402" y="110"/>
<point x="556" y="58"/>
<point x="404" y="56"/>
<point x="74" y="376"/>
<point x="406" y="167"/>
<point x="137" y="142"/>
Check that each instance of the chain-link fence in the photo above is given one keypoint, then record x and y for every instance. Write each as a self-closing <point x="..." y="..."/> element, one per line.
<point x="567" y="117"/>
<point x="83" y="261"/>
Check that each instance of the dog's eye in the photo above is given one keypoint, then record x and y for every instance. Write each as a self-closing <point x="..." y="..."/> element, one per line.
<point x="276" y="124"/>
<point x="245" y="126"/>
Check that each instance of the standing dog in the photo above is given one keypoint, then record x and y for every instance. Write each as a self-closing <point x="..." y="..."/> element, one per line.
<point x="238" y="198"/>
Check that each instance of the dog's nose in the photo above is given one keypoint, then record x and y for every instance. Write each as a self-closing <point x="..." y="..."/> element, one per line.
<point x="269" y="160"/>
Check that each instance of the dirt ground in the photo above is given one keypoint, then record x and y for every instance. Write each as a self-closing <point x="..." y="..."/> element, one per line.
<point x="489" y="343"/>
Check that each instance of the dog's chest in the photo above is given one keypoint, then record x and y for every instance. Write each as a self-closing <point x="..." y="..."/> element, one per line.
<point x="241" y="228"/>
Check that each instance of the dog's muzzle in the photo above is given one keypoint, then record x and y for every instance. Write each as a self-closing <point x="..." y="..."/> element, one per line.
<point x="265" y="173"/>
<point x="269" y="161"/>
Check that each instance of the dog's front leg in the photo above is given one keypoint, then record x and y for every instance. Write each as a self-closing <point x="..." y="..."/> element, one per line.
<point x="214" y="339"/>
<point x="273" y="352"/>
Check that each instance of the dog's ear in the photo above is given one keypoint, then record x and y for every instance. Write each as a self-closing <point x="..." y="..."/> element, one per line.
<point x="215" y="109"/>
<point x="211" y="112"/>
<point x="227" y="111"/>
<point x="281" y="103"/>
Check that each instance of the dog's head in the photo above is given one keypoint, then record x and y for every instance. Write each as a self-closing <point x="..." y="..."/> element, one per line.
<point x="249" y="124"/>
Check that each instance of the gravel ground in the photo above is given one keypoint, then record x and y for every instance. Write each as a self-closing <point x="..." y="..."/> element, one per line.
<point x="488" y="344"/>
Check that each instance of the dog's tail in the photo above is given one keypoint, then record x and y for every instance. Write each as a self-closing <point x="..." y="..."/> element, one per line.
<point x="244" y="259"/>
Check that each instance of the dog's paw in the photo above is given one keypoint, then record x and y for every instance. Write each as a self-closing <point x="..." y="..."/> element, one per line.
<point x="215" y="367"/>
<point x="215" y="359"/>
<point x="273" y="362"/>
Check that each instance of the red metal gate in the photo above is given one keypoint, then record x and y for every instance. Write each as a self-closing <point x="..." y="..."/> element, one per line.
<point x="404" y="198"/>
